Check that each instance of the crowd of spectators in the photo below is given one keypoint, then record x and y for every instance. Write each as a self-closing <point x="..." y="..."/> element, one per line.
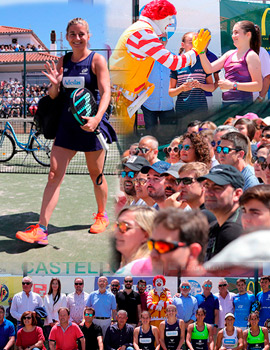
<point x="12" y="98"/>
<point x="115" y="318"/>
<point x="19" y="47"/>
<point x="216" y="186"/>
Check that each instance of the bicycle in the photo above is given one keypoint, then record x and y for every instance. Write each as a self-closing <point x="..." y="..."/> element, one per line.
<point x="37" y="145"/>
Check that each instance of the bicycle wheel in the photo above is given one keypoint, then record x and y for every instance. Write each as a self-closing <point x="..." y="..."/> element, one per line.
<point x="41" y="149"/>
<point x="7" y="147"/>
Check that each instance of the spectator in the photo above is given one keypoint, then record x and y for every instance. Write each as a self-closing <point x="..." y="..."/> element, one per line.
<point x="186" y="304"/>
<point x="115" y="286"/>
<point x="52" y="302"/>
<point x="141" y="286"/>
<point x="173" y="152"/>
<point x="65" y="334"/>
<point x="148" y="148"/>
<point x="210" y="303"/>
<point x="225" y="299"/>
<point x="129" y="301"/>
<point x="218" y="133"/>
<point x="119" y="335"/>
<point x="25" y="300"/>
<point x="223" y="188"/>
<point x="91" y="331"/>
<point x="30" y="336"/>
<point x="7" y="331"/>
<point x="193" y="126"/>
<point x="265" y="138"/>
<point x="246" y="127"/>
<point x="266" y="169"/>
<point x="140" y="184"/>
<point x="76" y="301"/>
<point x="242" y="304"/>
<point x="104" y="304"/>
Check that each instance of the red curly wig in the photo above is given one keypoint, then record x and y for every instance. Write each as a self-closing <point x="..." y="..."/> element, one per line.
<point x="158" y="9"/>
<point x="161" y="277"/>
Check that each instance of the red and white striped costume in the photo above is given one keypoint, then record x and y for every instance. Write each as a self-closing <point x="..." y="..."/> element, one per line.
<point x="152" y="301"/>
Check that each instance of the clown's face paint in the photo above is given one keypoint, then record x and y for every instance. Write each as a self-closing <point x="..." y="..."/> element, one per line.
<point x="159" y="284"/>
<point x="164" y="23"/>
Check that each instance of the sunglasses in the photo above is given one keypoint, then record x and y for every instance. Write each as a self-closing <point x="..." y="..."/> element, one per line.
<point x="265" y="166"/>
<point x="143" y="150"/>
<point x="267" y="136"/>
<point x="128" y="281"/>
<point x="258" y="160"/>
<point x="226" y="150"/>
<point x="185" y="148"/>
<point x="163" y="38"/>
<point x="122" y="226"/>
<point x="78" y="284"/>
<point x="208" y="285"/>
<point x="27" y="318"/>
<point x="175" y="149"/>
<point x="214" y="143"/>
<point x="140" y="181"/>
<point x="88" y="315"/>
<point x="185" y="180"/>
<point x="115" y="285"/>
<point x="129" y="174"/>
<point x="222" y="285"/>
<point x="163" y="247"/>
<point x="185" y="287"/>
<point x="26" y="283"/>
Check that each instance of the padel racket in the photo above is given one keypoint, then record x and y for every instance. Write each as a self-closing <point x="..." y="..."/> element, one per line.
<point x="83" y="104"/>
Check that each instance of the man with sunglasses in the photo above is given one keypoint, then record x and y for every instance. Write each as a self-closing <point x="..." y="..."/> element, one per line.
<point x="186" y="304"/>
<point x="104" y="303"/>
<point x="223" y="188"/>
<point x="140" y="183"/>
<point x="155" y="181"/>
<point x="130" y="301"/>
<point x="148" y="149"/>
<point x="218" y="133"/>
<point x="225" y="299"/>
<point x="141" y="286"/>
<point x="208" y="301"/>
<point x="76" y="301"/>
<point x="178" y="242"/>
<point x="114" y="286"/>
<point x="265" y="137"/>
<point x="233" y="150"/>
<point x="91" y="331"/>
<point x="25" y="300"/>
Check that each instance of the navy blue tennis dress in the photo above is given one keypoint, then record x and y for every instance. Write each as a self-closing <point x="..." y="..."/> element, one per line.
<point x="69" y="134"/>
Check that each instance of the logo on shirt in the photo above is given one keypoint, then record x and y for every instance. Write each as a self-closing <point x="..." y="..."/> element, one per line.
<point x="65" y="69"/>
<point x="73" y="82"/>
<point x="84" y="71"/>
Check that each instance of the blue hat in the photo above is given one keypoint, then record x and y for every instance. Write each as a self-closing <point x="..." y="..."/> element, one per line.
<point x="160" y="167"/>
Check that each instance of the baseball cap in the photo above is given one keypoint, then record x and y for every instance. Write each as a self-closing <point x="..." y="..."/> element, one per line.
<point x="224" y="174"/>
<point x="173" y="170"/>
<point x="266" y="120"/>
<point x="251" y="116"/>
<point x="136" y="163"/>
<point x="160" y="167"/>
<point x="229" y="314"/>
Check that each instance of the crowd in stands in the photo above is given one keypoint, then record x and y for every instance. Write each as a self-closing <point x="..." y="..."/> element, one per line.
<point x="213" y="185"/>
<point x="17" y="47"/>
<point x="12" y="98"/>
<point x="114" y="318"/>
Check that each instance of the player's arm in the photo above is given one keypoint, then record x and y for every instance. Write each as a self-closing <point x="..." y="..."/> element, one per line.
<point x="266" y="339"/>
<point x="219" y="340"/>
<point x="161" y="335"/>
<point x="210" y="338"/>
<point x="245" y="333"/>
<point x="136" y="338"/>
<point x="188" y="338"/>
<point x="55" y="74"/>
<point x="240" y="339"/>
<point x="156" y="335"/>
<point x="182" y="337"/>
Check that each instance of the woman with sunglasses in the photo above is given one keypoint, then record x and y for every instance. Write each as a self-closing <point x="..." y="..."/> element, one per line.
<point x="146" y="337"/>
<point x="52" y="302"/>
<point x="173" y="152"/>
<point x="194" y="148"/>
<point x="255" y="337"/>
<point x="259" y="159"/>
<point x="30" y="337"/>
<point x="230" y="337"/>
<point x="132" y="231"/>
<point x="199" y="333"/>
<point x="266" y="169"/>
<point x="242" y="66"/>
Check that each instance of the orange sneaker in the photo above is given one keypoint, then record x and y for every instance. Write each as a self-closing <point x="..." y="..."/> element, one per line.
<point x="100" y="224"/>
<point x="33" y="234"/>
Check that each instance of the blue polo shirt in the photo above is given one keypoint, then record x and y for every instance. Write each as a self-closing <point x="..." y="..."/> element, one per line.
<point x="242" y="304"/>
<point x="186" y="307"/>
<point x="264" y="299"/>
<point x="210" y="304"/>
<point x="7" y="330"/>
<point x="103" y="303"/>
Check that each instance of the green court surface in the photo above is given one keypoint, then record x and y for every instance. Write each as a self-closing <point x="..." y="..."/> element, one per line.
<point x="70" y="247"/>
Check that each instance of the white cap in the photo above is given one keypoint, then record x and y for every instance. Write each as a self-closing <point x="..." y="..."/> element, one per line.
<point x="229" y="314"/>
<point x="266" y="120"/>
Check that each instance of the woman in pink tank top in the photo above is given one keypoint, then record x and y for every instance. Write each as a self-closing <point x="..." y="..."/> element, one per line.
<point x="242" y="66"/>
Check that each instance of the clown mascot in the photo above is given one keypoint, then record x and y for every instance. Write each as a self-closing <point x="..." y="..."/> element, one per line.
<point x="134" y="57"/>
<point x="157" y="300"/>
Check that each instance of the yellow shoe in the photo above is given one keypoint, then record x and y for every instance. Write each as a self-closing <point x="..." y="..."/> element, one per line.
<point x="100" y="224"/>
<point x="33" y="234"/>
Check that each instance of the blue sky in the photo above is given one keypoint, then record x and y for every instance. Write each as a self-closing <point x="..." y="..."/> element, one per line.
<point x="47" y="15"/>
